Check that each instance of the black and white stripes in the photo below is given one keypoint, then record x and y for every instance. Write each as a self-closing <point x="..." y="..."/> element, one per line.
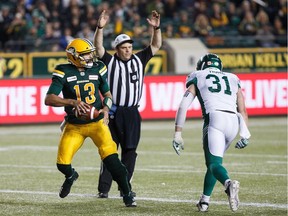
<point x="126" y="80"/>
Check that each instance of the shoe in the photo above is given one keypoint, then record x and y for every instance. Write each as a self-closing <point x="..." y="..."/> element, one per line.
<point x="66" y="187"/>
<point x="129" y="200"/>
<point x="102" y="195"/>
<point x="202" y="206"/>
<point x="133" y="194"/>
<point x="232" y="192"/>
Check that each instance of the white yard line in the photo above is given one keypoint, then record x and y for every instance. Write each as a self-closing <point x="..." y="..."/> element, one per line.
<point x="182" y="169"/>
<point x="266" y="205"/>
<point x="54" y="148"/>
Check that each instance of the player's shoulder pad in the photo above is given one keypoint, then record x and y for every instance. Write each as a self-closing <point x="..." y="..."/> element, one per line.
<point x="190" y="79"/>
<point x="102" y="67"/>
<point x="232" y="75"/>
<point x="60" y="70"/>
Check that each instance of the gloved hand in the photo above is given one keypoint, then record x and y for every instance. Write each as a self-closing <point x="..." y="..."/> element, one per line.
<point x="178" y="143"/>
<point x="242" y="143"/>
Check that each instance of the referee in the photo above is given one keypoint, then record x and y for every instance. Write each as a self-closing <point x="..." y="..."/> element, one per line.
<point x="125" y="78"/>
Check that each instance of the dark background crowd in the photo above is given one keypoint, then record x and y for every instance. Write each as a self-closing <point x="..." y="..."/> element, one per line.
<point x="48" y="25"/>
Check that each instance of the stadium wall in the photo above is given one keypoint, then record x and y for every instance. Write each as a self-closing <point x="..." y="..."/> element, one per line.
<point x="174" y="59"/>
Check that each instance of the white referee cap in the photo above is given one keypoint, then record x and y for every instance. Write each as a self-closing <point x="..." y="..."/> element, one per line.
<point x="122" y="38"/>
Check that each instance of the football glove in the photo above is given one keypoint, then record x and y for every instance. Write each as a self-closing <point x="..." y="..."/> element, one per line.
<point x="242" y="143"/>
<point x="178" y="143"/>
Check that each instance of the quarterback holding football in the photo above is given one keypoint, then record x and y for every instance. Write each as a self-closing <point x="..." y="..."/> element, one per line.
<point x="83" y="86"/>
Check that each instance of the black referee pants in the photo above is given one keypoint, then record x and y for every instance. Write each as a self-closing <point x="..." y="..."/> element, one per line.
<point x="125" y="127"/>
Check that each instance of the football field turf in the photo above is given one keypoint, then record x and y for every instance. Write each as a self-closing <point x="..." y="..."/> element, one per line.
<point x="165" y="183"/>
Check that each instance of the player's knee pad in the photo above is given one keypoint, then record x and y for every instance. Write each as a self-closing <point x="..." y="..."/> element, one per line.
<point x="213" y="162"/>
<point x="115" y="167"/>
<point x="213" y="166"/>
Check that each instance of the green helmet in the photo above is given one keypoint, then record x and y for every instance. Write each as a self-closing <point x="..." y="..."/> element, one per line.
<point x="209" y="60"/>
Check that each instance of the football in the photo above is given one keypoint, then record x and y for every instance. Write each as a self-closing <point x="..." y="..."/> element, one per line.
<point x="90" y="114"/>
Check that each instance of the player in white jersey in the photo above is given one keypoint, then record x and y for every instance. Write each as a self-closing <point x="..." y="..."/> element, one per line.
<point x="224" y="113"/>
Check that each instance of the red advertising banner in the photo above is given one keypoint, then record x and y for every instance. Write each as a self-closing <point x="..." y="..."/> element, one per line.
<point x="22" y="101"/>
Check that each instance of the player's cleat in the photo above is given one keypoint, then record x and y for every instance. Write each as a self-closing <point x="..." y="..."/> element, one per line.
<point x="102" y="195"/>
<point x="232" y="192"/>
<point x="66" y="187"/>
<point x="129" y="200"/>
<point x="202" y="206"/>
<point x="133" y="194"/>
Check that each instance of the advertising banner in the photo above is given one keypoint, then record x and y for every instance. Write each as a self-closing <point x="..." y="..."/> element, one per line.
<point x="253" y="60"/>
<point x="43" y="63"/>
<point x="175" y="58"/>
<point x="13" y="65"/>
<point x="22" y="100"/>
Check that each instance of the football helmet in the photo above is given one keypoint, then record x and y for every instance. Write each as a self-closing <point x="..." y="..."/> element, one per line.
<point x="77" y="51"/>
<point x="209" y="60"/>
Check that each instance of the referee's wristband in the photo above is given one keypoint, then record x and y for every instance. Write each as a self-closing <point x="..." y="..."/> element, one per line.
<point x="156" y="28"/>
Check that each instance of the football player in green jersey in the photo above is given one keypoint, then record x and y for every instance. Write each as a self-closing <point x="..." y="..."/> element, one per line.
<point x="81" y="81"/>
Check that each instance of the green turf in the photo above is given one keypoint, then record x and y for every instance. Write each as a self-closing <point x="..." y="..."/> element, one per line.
<point x="166" y="184"/>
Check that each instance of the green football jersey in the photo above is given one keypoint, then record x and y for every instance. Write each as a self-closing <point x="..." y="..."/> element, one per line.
<point x="85" y="86"/>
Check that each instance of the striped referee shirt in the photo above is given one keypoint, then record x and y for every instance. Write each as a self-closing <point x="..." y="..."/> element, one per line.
<point x="125" y="78"/>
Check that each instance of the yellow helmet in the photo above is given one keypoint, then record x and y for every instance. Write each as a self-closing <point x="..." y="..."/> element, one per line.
<point x="77" y="48"/>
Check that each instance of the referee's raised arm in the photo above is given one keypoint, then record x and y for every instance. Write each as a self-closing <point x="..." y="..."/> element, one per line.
<point x="98" y="35"/>
<point x="156" y="38"/>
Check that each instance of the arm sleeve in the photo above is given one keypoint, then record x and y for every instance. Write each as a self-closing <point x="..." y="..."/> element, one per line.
<point x="55" y="87"/>
<point x="104" y="87"/>
<point x="186" y="101"/>
<point x="243" y="129"/>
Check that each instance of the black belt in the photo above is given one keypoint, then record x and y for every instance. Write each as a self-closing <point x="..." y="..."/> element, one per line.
<point x="227" y="111"/>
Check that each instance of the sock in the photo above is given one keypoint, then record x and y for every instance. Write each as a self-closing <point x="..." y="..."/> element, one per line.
<point x="205" y="198"/>
<point x="118" y="172"/>
<point x="128" y="158"/>
<point x="227" y="183"/>
<point x="209" y="183"/>
<point x="66" y="169"/>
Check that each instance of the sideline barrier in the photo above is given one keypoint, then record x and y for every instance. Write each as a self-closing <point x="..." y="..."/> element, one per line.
<point x="22" y="100"/>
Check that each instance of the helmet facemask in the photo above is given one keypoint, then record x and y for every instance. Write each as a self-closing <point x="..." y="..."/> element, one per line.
<point x="81" y="53"/>
<point x="87" y="59"/>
